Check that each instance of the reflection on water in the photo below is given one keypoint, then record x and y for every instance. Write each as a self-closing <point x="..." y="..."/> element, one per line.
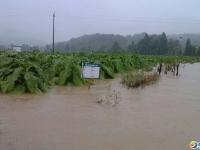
<point x="160" y="116"/>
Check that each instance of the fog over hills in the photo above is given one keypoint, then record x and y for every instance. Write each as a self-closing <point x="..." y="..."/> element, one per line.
<point x="105" y="41"/>
<point x="195" y="38"/>
<point x="30" y="21"/>
<point x="98" y="41"/>
<point x="94" y="42"/>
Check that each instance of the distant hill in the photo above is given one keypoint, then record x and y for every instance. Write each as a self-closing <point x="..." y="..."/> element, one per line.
<point x="98" y="42"/>
<point x="103" y="42"/>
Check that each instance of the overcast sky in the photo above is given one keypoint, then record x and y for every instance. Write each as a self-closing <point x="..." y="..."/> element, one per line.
<point x="25" y="20"/>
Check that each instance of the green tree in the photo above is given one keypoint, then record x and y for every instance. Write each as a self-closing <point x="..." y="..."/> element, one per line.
<point x="132" y="47"/>
<point x="154" y="44"/>
<point x="198" y="51"/>
<point x="174" y="47"/>
<point x="163" y="44"/>
<point x="143" y="45"/>
<point x="116" y="47"/>
<point x="189" y="49"/>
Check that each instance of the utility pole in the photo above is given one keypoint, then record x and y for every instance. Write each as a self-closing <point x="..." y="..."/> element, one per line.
<point x="53" y="29"/>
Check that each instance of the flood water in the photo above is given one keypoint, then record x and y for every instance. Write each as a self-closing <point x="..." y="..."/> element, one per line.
<point x="164" y="115"/>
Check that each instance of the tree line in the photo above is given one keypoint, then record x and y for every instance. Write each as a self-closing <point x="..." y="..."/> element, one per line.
<point x="146" y="44"/>
<point x="156" y="44"/>
<point x="159" y="45"/>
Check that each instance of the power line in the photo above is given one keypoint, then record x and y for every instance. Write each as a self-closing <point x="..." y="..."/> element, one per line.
<point x="120" y="19"/>
<point x="135" y="19"/>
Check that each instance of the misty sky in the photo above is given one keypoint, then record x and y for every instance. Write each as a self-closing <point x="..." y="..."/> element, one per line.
<point x="26" y="20"/>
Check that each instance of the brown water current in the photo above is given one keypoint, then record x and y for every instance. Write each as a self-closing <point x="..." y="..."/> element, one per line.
<point x="161" y="116"/>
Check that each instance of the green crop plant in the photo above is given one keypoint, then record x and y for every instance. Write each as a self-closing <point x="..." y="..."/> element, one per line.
<point x="36" y="72"/>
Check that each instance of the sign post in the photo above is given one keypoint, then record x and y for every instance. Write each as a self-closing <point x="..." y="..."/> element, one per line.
<point x="90" y="71"/>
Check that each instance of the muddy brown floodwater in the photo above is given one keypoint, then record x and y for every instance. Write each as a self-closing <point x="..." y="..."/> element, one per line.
<point x="164" y="115"/>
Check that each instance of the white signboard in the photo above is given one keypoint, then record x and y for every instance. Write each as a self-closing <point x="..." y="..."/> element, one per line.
<point x="90" y="71"/>
<point x="17" y="48"/>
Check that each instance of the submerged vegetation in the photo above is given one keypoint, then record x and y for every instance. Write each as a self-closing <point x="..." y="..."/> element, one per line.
<point x="36" y="72"/>
<point x="139" y="78"/>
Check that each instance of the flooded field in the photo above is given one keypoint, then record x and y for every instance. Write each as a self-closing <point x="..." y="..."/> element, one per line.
<point x="164" y="115"/>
